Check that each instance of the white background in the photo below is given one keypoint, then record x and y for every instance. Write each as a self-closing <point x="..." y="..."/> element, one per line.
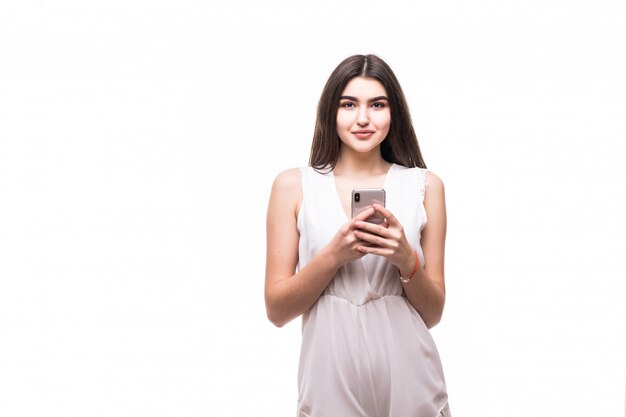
<point x="138" y="143"/>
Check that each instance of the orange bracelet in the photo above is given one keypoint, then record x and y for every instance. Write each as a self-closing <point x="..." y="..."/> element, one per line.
<point x="417" y="262"/>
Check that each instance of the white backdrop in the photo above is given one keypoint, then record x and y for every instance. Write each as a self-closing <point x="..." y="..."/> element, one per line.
<point x="138" y="143"/>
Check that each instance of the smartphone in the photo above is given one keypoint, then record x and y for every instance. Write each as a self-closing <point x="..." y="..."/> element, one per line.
<point x="362" y="198"/>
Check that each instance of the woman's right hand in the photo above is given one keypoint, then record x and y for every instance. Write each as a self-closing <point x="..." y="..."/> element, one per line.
<point x="343" y="247"/>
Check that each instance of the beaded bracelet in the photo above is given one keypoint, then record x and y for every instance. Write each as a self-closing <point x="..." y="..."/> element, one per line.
<point x="417" y="261"/>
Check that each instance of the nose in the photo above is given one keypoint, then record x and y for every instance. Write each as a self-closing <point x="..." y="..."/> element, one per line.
<point x="363" y="116"/>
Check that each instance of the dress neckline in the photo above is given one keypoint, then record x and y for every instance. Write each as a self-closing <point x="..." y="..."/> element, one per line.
<point x="338" y="197"/>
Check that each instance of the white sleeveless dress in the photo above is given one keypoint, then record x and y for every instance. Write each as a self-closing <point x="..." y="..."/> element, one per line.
<point x="365" y="350"/>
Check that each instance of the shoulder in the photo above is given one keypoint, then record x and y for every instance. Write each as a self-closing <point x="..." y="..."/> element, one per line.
<point x="433" y="183"/>
<point x="286" y="194"/>
<point x="428" y="181"/>
<point x="287" y="190"/>
<point x="288" y="180"/>
<point x="434" y="193"/>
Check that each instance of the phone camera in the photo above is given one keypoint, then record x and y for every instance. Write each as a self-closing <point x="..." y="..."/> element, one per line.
<point x="357" y="197"/>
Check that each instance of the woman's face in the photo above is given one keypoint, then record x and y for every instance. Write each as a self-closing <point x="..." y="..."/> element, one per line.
<point x="363" y="117"/>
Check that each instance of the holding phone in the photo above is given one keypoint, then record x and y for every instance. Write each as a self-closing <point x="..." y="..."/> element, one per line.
<point x="362" y="198"/>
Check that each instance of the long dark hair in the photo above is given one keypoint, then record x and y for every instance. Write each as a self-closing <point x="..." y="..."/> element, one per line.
<point x="400" y="146"/>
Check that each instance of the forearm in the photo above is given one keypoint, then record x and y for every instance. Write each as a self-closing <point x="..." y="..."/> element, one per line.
<point x="426" y="297"/>
<point x="290" y="297"/>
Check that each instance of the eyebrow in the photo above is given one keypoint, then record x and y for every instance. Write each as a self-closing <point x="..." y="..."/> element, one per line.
<point x="369" y="101"/>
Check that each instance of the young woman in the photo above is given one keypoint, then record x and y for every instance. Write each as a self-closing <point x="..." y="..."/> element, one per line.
<point x="368" y="292"/>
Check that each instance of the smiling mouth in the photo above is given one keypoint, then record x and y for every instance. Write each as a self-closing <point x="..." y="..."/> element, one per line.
<point x="363" y="133"/>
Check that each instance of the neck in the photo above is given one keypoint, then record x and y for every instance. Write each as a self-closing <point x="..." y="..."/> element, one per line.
<point x="352" y="163"/>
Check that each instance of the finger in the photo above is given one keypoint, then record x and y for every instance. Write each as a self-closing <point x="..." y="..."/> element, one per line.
<point x="373" y="228"/>
<point x="363" y="215"/>
<point x="366" y="244"/>
<point x="374" y="250"/>
<point x="389" y="217"/>
<point x="373" y="239"/>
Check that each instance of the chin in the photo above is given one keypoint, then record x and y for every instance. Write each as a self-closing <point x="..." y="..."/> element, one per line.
<point x="364" y="147"/>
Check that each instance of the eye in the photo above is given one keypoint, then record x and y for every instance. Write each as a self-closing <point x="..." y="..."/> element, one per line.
<point x="379" y="105"/>
<point x="347" y="104"/>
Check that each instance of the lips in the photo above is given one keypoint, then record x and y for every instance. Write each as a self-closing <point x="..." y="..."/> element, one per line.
<point x="363" y="134"/>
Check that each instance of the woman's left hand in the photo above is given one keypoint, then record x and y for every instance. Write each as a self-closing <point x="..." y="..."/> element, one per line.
<point x="388" y="240"/>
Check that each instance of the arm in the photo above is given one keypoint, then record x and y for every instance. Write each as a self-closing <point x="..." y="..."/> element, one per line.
<point x="289" y="294"/>
<point x="426" y="290"/>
